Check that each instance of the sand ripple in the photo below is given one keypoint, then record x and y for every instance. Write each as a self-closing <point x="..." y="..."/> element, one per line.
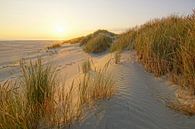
<point x="137" y="104"/>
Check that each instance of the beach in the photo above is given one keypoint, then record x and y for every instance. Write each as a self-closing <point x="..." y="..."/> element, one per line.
<point x="140" y="99"/>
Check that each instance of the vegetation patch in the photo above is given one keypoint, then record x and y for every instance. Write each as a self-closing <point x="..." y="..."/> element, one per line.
<point x="117" y="57"/>
<point x="36" y="102"/>
<point x="98" y="44"/>
<point x="96" y="85"/>
<point x="166" y="47"/>
<point x="86" y="66"/>
<point x="74" y="40"/>
<point x="87" y="38"/>
<point x="44" y="103"/>
<point x="53" y="46"/>
<point x="187" y="109"/>
<point x="124" y="41"/>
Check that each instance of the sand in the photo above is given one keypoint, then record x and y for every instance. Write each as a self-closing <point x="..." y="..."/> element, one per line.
<point x="139" y="102"/>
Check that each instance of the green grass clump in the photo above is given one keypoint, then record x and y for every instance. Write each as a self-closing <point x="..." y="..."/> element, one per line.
<point x="12" y="113"/>
<point x="36" y="102"/>
<point x="87" y="38"/>
<point x="97" y="44"/>
<point x="98" y="41"/>
<point x="39" y="82"/>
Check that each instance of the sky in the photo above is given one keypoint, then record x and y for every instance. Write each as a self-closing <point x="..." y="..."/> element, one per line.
<point x="65" y="19"/>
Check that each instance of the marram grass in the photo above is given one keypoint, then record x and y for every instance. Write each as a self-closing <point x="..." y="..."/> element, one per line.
<point x="86" y="66"/>
<point x="98" y="44"/>
<point x="95" y="85"/>
<point x="117" y="57"/>
<point x="36" y="100"/>
<point x="53" y="46"/>
<point x="165" y="46"/>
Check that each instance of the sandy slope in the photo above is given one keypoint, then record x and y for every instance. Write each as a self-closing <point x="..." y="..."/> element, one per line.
<point x="139" y="103"/>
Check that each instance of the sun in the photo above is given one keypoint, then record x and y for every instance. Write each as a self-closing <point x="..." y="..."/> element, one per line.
<point x="60" y="31"/>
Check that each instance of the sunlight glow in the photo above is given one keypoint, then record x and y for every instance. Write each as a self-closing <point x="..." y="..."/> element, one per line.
<point x="60" y="31"/>
<point x="65" y="19"/>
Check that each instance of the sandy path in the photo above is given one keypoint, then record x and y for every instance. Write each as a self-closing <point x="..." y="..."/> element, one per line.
<point x="139" y="104"/>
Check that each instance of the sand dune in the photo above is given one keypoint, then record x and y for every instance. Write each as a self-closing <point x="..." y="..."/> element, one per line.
<point x="140" y="99"/>
<point x="139" y="103"/>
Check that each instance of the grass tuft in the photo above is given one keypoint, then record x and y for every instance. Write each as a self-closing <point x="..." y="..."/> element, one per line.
<point x="86" y="66"/>
<point x="166" y="47"/>
<point x="124" y="41"/>
<point x="98" y="44"/>
<point x="53" y="46"/>
<point x="96" y="85"/>
<point x="117" y="57"/>
<point x="44" y="103"/>
<point x="85" y="39"/>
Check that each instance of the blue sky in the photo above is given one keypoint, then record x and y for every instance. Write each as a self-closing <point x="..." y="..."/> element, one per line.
<point x="52" y="19"/>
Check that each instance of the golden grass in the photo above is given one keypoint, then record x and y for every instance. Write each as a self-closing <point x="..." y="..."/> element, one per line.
<point x="165" y="47"/>
<point x="187" y="109"/>
<point x="117" y="57"/>
<point x="53" y="46"/>
<point x="96" y="85"/>
<point x="12" y="113"/>
<point x="97" y="44"/>
<point x="87" y="38"/>
<point x="74" y="40"/>
<point x="86" y="66"/>
<point x="124" y="41"/>
<point x="36" y="102"/>
<point x="44" y="103"/>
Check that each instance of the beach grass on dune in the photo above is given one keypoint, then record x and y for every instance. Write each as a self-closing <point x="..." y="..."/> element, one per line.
<point x="27" y="105"/>
<point x="86" y="66"/>
<point x="53" y="46"/>
<point x="124" y="41"/>
<point x="187" y="109"/>
<point x="166" y="47"/>
<point x="96" y="84"/>
<point x="117" y="57"/>
<point x="37" y="100"/>
<point x="39" y="83"/>
<point x="87" y="38"/>
<point x="98" y="41"/>
<point x="74" y="40"/>
<point x="97" y="44"/>
<point x="12" y="113"/>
